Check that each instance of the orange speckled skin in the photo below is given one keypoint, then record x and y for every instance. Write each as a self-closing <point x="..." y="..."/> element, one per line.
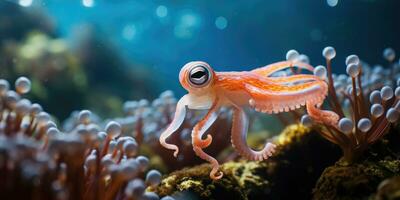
<point x="257" y="89"/>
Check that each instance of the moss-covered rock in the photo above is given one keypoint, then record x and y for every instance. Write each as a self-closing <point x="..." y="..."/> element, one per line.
<point x="356" y="181"/>
<point x="301" y="157"/>
<point x="360" y="180"/>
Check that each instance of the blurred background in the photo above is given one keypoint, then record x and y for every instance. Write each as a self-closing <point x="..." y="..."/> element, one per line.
<point x="96" y="54"/>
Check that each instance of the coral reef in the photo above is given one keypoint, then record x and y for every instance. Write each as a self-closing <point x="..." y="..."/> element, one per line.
<point x="362" y="122"/>
<point x="40" y="162"/>
<point x="145" y="121"/>
<point x="296" y="167"/>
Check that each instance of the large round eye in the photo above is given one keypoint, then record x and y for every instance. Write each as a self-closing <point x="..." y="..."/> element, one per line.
<point x="199" y="75"/>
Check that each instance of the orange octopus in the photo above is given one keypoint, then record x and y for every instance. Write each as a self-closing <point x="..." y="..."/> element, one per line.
<point x="257" y="89"/>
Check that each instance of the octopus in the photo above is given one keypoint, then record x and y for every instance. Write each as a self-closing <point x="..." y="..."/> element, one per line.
<point x="257" y="89"/>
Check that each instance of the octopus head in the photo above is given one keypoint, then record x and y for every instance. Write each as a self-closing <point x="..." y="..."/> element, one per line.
<point x="197" y="77"/>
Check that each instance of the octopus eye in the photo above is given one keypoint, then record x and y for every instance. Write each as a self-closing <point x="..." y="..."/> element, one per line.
<point x="199" y="75"/>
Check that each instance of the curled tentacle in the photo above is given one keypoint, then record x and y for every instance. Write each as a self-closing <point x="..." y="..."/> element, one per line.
<point x="204" y="125"/>
<point x="179" y="117"/>
<point x="239" y="135"/>
<point x="215" y="174"/>
<point x="322" y="116"/>
<point x="272" y="68"/>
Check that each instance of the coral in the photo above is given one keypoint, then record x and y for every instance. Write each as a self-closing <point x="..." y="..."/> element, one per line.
<point x="38" y="161"/>
<point x="146" y="120"/>
<point x="296" y="167"/>
<point x="362" y="122"/>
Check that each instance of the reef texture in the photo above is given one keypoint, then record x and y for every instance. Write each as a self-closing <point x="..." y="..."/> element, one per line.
<point x="360" y="180"/>
<point x="296" y="167"/>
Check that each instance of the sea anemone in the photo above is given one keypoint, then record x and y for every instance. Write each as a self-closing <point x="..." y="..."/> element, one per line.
<point x="38" y="161"/>
<point x="364" y="99"/>
<point x="145" y="121"/>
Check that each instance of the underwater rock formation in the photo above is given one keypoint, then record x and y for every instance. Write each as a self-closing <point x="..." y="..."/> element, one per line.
<point x="291" y="173"/>
<point x="360" y="180"/>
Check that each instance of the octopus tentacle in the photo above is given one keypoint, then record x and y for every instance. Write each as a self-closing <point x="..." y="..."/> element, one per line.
<point x="293" y="78"/>
<point x="179" y="117"/>
<point x="274" y="67"/>
<point x="199" y="143"/>
<point x="276" y="98"/>
<point x="239" y="136"/>
<point x="322" y="116"/>
<point x="215" y="174"/>
<point x="204" y="125"/>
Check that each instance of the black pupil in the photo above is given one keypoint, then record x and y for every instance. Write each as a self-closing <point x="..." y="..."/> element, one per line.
<point x="198" y="74"/>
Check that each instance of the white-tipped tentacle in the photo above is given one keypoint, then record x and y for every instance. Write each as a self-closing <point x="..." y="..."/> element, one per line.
<point x="179" y="117"/>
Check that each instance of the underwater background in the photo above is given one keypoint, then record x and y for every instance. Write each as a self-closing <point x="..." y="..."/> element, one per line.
<point x="87" y="87"/>
<point x="152" y="40"/>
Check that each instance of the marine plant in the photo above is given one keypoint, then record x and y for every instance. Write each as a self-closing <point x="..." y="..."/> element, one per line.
<point x="364" y="99"/>
<point x="38" y="161"/>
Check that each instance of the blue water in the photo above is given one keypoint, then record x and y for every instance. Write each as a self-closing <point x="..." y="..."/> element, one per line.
<point x="250" y="34"/>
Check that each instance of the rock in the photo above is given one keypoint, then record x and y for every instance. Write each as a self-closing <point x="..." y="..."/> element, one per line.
<point x="290" y="174"/>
